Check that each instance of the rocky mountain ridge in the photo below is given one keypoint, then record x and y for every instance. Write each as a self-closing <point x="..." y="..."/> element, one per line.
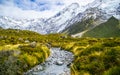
<point x="98" y="9"/>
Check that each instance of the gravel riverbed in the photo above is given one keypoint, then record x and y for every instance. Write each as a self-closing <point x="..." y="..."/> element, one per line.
<point x="58" y="63"/>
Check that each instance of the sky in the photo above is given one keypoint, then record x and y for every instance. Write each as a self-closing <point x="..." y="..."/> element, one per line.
<point x="35" y="8"/>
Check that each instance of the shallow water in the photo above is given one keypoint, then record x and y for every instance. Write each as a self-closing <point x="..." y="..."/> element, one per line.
<point x="56" y="64"/>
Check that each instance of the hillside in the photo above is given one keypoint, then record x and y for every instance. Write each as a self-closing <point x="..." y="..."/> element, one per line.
<point x="111" y="28"/>
<point x="21" y="50"/>
<point x="79" y="27"/>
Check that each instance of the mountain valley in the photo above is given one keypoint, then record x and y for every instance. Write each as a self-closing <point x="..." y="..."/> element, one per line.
<point x="78" y="40"/>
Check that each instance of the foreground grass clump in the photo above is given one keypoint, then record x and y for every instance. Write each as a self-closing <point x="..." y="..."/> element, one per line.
<point x="14" y="62"/>
<point x="113" y="71"/>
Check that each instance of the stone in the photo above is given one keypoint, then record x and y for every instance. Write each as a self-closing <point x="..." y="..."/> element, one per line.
<point x="68" y="65"/>
<point x="33" y="44"/>
<point x="39" y="68"/>
<point x="20" y="39"/>
<point x="59" y="62"/>
<point x="27" y="41"/>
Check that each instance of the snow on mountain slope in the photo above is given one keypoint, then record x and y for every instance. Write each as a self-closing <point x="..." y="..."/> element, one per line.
<point x="33" y="25"/>
<point x="43" y="26"/>
<point x="59" y="21"/>
<point x="102" y="9"/>
<point x="110" y="8"/>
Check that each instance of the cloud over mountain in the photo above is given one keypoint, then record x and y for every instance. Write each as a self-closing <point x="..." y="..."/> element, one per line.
<point x="35" y="8"/>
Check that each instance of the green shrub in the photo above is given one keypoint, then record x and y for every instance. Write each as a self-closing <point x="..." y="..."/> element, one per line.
<point x="113" y="71"/>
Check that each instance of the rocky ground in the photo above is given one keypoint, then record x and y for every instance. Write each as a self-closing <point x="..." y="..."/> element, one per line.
<point x="58" y="63"/>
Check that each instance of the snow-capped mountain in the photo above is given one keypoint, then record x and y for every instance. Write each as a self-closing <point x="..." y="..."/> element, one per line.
<point x="102" y="9"/>
<point x="33" y="25"/>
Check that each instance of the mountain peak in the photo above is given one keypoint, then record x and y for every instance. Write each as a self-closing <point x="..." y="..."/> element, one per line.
<point x="73" y="6"/>
<point x="113" y="19"/>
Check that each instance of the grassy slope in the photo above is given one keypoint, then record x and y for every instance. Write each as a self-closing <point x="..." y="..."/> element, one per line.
<point x="16" y="55"/>
<point x="79" y="27"/>
<point x="92" y="56"/>
<point x="111" y="28"/>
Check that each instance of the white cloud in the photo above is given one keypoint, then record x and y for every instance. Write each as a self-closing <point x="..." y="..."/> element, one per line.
<point x="16" y="12"/>
<point x="28" y="9"/>
<point x="80" y="2"/>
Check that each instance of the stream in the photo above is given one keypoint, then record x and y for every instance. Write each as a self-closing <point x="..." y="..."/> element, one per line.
<point x="58" y="63"/>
